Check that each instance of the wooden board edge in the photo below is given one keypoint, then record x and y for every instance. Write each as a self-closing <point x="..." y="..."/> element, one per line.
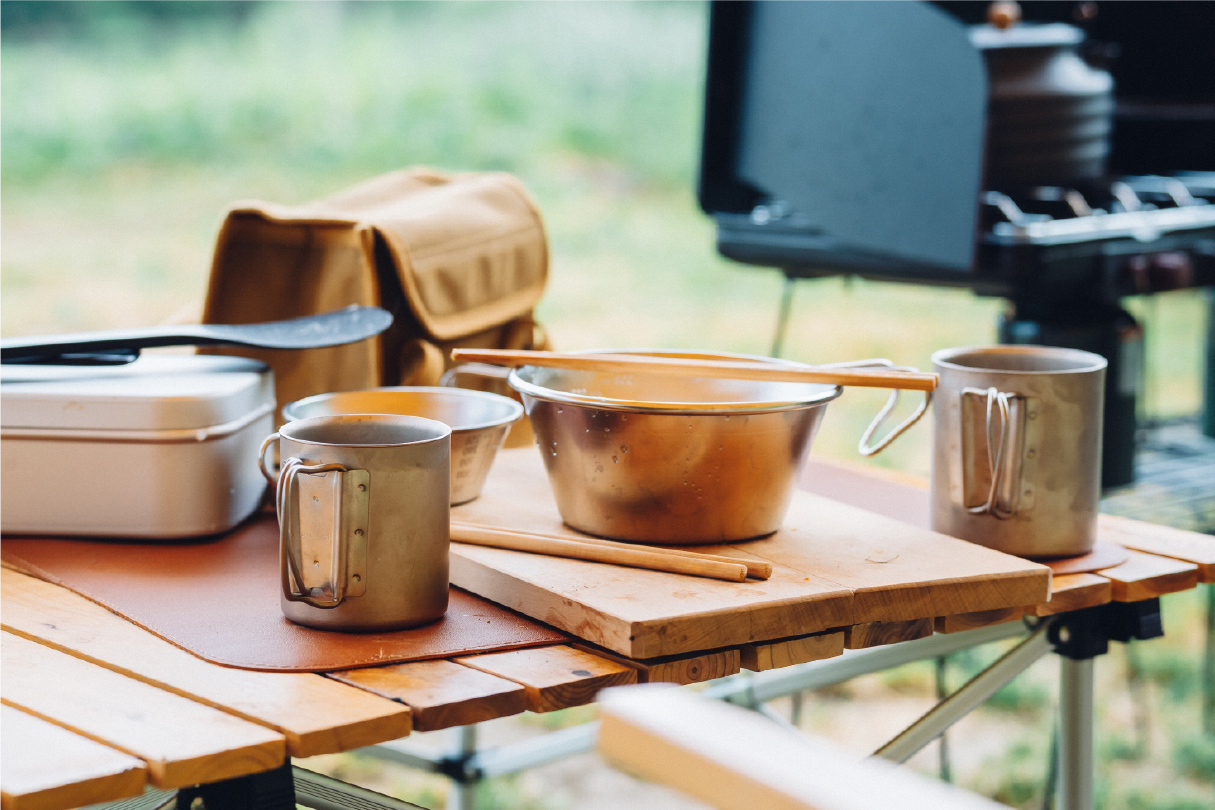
<point x="473" y="577"/>
<point x="831" y="609"/>
<point x="1004" y="590"/>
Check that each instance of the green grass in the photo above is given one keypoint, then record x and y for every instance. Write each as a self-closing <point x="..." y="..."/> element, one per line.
<point x="362" y="88"/>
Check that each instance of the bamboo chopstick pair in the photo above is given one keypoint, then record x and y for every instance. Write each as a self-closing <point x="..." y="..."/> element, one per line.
<point x="728" y="368"/>
<point x="675" y="561"/>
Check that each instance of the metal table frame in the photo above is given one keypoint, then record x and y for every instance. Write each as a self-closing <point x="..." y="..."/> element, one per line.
<point x="1077" y="637"/>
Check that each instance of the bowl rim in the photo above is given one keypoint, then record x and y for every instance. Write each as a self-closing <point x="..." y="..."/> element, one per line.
<point x="513" y="409"/>
<point x="536" y="391"/>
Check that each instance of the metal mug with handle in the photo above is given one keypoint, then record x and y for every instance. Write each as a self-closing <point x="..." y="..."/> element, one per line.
<point x="363" y="520"/>
<point x="1017" y="450"/>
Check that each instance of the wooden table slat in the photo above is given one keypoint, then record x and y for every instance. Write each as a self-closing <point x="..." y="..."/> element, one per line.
<point x="1073" y="592"/>
<point x="316" y="715"/>
<point x="1145" y="576"/>
<point x="1163" y="541"/>
<point x="878" y="634"/>
<point x="46" y="767"/>
<point x="183" y="742"/>
<point x="554" y="677"/>
<point x="677" y="669"/>
<point x="441" y="694"/>
<point x="786" y="652"/>
<point x="962" y="622"/>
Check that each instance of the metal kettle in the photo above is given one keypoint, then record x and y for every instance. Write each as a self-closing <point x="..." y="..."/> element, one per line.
<point x="1049" y="113"/>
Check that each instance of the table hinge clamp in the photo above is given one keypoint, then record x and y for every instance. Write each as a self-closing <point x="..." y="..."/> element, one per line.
<point x="1086" y="633"/>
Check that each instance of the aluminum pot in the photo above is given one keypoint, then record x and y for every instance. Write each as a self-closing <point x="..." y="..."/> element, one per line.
<point x="479" y="422"/>
<point x="671" y="459"/>
<point x="1017" y="450"/>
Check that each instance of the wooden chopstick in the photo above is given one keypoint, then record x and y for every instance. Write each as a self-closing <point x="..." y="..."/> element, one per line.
<point x="756" y="569"/>
<point x="651" y="559"/>
<point x="697" y="367"/>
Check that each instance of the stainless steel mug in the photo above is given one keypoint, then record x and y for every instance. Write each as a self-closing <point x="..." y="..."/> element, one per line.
<point x="1017" y="450"/>
<point x="363" y="520"/>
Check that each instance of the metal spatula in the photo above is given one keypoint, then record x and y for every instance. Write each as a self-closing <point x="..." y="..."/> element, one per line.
<point x="311" y="332"/>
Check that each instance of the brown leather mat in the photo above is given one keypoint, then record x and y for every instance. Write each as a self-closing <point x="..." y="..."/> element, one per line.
<point x="219" y="600"/>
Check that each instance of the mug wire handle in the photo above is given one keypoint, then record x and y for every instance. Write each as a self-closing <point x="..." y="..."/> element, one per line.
<point x="290" y="566"/>
<point x="863" y="446"/>
<point x="997" y="402"/>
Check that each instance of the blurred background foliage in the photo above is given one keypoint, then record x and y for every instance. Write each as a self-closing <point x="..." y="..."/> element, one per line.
<point x="353" y="88"/>
<point x="126" y="128"/>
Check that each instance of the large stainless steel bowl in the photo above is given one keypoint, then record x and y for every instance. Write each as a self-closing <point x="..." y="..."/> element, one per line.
<point x="671" y="459"/>
<point x="479" y="422"/>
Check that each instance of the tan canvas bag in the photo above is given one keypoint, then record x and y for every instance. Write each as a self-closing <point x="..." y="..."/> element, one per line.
<point x="460" y="260"/>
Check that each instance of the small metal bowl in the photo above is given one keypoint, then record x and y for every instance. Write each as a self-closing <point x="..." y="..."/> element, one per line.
<point x="664" y="458"/>
<point x="479" y="422"/>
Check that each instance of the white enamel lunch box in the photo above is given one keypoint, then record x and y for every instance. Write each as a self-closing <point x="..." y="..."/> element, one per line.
<point x="164" y="447"/>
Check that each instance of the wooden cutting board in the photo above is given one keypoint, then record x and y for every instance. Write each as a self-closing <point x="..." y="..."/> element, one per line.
<point x="833" y="565"/>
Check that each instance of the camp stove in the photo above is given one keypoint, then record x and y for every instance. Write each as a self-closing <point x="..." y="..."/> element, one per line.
<point x="1062" y="163"/>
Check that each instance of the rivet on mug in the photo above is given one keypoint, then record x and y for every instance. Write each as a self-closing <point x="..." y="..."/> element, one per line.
<point x="1031" y="453"/>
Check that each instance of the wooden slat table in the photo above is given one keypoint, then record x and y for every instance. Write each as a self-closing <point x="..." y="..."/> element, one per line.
<point x="96" y="708"/>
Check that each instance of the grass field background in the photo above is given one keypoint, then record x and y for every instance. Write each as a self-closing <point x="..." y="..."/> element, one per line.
<point x="126" y="129"/>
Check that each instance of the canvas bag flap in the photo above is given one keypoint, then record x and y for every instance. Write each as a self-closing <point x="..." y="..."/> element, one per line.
<point x="461" y="254"/>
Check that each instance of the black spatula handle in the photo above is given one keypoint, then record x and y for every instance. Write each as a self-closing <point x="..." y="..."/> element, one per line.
<point x="310" y="332"/>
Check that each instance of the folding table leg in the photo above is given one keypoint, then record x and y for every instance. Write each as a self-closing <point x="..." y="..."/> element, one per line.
<point x="464" y="789"/>
<point x="268" y="790"/>
<point x="1076" y="734"/>
<point x="969" y="697"/>
<point x="1079" y="637"/>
